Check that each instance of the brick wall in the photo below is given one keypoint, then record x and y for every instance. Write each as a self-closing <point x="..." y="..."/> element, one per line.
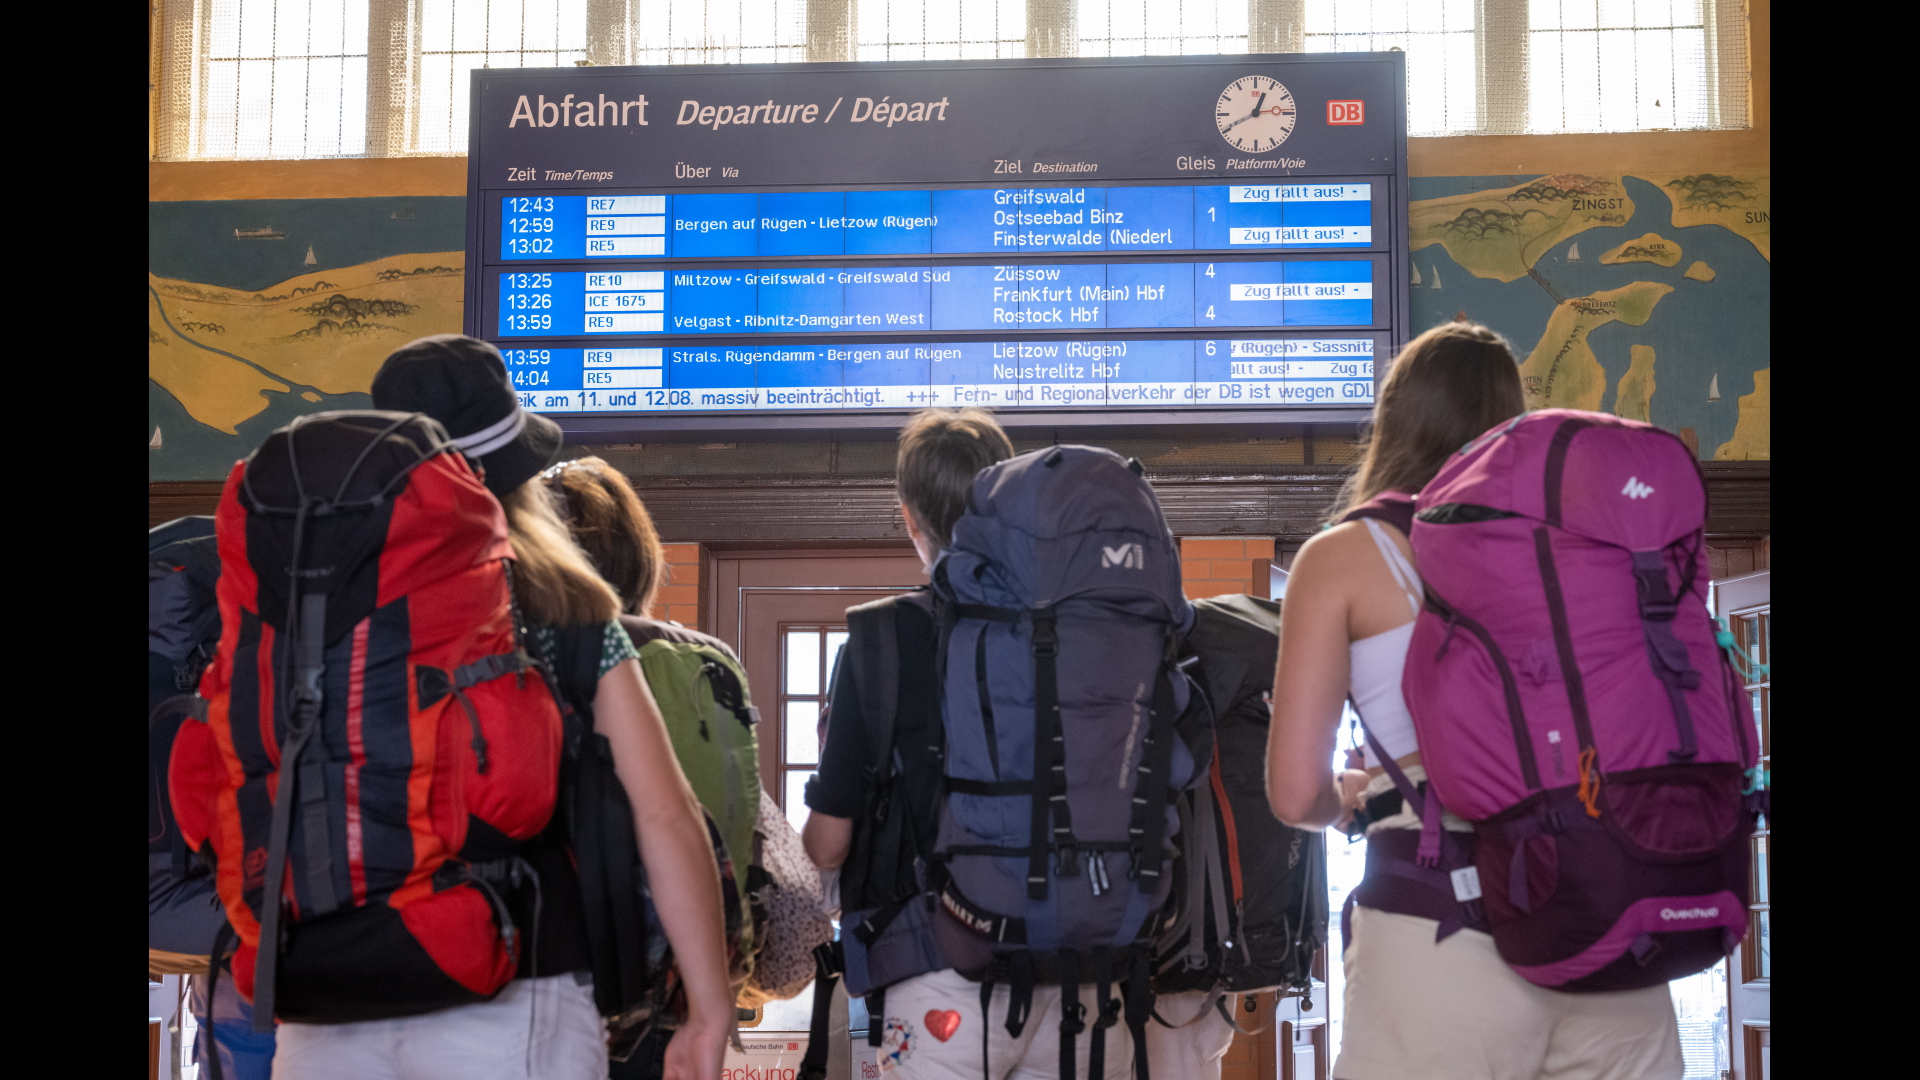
<point x="1216" y="566"/>
<point x="679" y="599"/>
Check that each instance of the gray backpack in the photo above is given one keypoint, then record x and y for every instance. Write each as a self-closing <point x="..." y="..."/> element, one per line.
<point x="1060" y="629"/>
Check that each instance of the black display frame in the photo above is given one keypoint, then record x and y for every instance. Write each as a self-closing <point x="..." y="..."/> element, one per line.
<point x="483" y="264"/>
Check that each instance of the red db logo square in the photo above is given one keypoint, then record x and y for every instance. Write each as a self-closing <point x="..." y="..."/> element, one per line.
<point x="1346" y="112"/>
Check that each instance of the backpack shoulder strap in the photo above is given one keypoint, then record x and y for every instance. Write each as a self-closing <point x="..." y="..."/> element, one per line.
<point x="1393" y="507"/>
<point x="873" y="634"/>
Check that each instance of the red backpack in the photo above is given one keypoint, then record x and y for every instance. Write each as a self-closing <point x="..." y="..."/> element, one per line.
<point x="375" y="742"/>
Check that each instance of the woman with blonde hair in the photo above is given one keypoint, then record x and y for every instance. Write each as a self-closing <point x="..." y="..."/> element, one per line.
<point x="1426" y="994"/>
<point x="545" y="1023"/>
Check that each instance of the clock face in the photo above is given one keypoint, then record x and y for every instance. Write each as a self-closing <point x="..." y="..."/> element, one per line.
<point x="1255" y="114"/>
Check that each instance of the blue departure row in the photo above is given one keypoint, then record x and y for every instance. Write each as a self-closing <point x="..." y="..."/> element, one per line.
<point x="970" y="221"/>
<point x="895" y="299"/>
<point x="1329" y="370"/>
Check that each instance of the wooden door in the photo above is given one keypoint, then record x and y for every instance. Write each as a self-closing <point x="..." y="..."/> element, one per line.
<point x="785" y="613"/>
<point x="1745" y="605"/>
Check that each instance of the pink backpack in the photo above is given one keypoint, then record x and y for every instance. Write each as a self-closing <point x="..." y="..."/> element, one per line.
<point x="1573" y="702"/>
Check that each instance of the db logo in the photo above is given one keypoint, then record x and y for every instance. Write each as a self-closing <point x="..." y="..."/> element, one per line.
<point x="1346" y="112"/>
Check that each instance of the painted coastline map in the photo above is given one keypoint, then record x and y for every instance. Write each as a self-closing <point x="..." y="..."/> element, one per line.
<point x="261" y="310"/>
<point x="1645" y="295"/>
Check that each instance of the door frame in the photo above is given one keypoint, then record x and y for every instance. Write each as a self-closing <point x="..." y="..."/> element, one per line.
<point x="1749" y="999"/>
<point x="837" y="578"/>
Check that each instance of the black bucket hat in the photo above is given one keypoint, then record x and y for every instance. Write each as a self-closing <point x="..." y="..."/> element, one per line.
<point x="462" y="382"/>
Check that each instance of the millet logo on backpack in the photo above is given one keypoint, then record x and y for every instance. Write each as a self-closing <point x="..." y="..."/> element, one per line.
<point x="1635" y="489"/>
<point x="1130" y="556"/>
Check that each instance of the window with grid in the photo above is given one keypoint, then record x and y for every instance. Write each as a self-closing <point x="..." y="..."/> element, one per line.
<point x="719" y="32"/>
<point x="807" y="658"/>
<point x="265" y="78"/>
<point x="1632" y="65"/>
<point x="457" y="36"/>
<point x="333" y="78"/>
<point x="1162" y="27"/>
<point x="1439" y="39"/>
<point x="962" y="30"/>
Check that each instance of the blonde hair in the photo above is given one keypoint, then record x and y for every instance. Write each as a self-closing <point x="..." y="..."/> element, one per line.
<point x="552" y="578"/>
<point x="611" y="525"/>
<point x="1446" y="387"/>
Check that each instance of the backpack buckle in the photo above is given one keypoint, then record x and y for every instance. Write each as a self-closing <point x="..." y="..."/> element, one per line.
<point x="1046" y="632"/>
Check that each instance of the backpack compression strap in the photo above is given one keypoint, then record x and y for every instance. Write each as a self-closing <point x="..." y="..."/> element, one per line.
<point x="1049" y="783"/>
<point x="1050" y="749"/>
<point x="1148" y="829"/>
<point x="310" y="651"/>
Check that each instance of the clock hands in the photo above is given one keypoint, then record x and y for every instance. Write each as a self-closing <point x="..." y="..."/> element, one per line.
<point x="1258" y="109"/>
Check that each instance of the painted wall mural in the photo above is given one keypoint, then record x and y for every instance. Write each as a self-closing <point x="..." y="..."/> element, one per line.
<point x="1664" y="317"/>
<point x="261" y="310"/>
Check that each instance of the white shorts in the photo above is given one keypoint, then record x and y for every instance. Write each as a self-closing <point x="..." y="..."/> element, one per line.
<point x="545" y="1028"/>
<point x="1193" y="1050"/>
<point x="933" y="1023"/>
<point x="1416" y="1010"/>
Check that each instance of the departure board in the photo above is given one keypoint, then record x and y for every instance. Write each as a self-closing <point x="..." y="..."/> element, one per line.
<point x="1183" y="240"/>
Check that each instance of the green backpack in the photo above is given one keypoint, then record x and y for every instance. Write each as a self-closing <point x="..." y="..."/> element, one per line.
<point x="702" y="693"/>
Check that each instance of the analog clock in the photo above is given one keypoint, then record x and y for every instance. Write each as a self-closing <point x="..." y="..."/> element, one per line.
<point x="1255" y="114"/>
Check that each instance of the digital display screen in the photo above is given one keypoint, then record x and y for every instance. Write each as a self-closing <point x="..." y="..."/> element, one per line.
<point x="914" y="375"/>
<point x="892" y="299"/>
<point x="950" y="222"/>
<point x="1189" y="239"/>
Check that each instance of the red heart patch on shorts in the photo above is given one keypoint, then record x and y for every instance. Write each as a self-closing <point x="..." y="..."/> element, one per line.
<point x="941" y="1024"/>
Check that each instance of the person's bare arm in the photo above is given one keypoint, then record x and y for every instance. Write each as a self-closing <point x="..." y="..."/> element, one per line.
<point x="1310" y="684"/>
<point x="827" y="838"/>
<point x="680" y="866"/>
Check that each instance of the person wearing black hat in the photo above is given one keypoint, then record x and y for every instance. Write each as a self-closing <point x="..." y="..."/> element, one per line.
<point x="462" y="382"/>
<point x="572" y="615"/>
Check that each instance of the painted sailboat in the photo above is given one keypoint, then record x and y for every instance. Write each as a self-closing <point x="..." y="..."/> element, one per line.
<point x="1713" y="391"/>
<point x="155" y="443"/>
<point x="1416" y="275"/>
<point x="258" y="234"/>
<point x="1436" y="275"/>
<point x="1573" y="252"/>
<point x="311" y="261"/>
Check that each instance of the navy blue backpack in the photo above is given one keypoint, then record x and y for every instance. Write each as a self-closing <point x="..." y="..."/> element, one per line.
<point x="1069" y="728"/>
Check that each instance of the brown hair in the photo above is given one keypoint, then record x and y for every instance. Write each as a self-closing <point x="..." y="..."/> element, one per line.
<point x="941" y="450"/>
<point x="1446" y="387"/>
<point x="552" y="578"/>
<point x="612" y="527"/>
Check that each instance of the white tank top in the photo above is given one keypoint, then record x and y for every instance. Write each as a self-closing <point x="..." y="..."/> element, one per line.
<point x="1376" y="662"/>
